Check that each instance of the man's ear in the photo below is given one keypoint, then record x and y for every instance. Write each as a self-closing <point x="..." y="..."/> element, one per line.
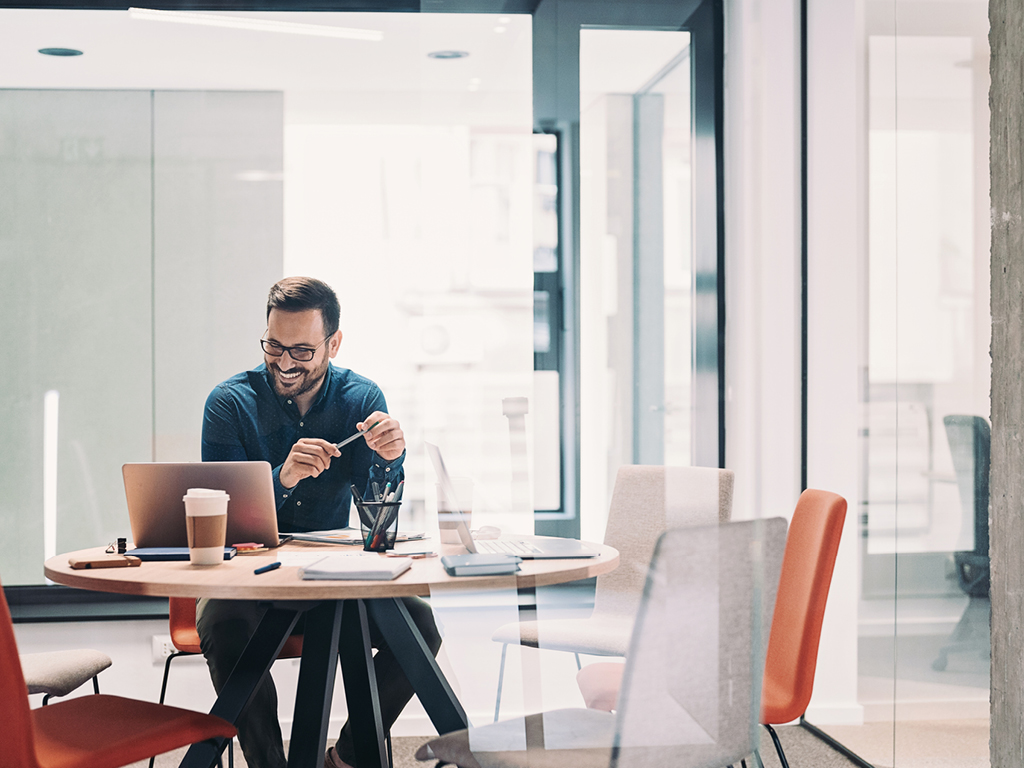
<point x="334" y="344"/>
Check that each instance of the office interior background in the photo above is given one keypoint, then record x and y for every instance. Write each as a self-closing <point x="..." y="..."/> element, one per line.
<point x="512" y="210"/>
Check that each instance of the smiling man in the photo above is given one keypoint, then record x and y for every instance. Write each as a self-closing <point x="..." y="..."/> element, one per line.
<point x="291" y="411"/>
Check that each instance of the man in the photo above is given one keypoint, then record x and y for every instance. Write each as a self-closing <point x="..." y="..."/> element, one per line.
<point x="290" y="411"/>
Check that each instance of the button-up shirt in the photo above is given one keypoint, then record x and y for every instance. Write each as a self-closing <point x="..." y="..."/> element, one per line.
<point x="245" y="420"/>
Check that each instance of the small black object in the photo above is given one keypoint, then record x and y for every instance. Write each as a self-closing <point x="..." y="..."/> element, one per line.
<point x="122" y="545"/>
<point x="378" y="524"/>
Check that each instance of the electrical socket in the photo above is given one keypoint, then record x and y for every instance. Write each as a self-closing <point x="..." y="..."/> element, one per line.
<point x="162" y="648"/>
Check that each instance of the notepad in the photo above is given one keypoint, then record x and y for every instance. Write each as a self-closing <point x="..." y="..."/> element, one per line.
<point x="170" y="553"/>
<point x="356" y="566"/>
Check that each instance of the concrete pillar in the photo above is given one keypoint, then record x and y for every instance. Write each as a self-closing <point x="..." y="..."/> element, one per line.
<point x="1006" y="511"/>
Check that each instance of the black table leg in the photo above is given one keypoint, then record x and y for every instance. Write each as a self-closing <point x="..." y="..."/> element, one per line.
<point x="316" y="685"/>
<point x="418" y="663"/>
<point x="361" y="686"/>
<point x="255" y="661"/>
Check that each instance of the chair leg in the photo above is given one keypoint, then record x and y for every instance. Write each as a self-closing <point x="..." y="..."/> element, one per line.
<point x="579" y="666"/>
<point x="95" y="683"/>
<point x="387" y="741"/>
<point x="46" y="699"/>
<point x="758" y="762"/>
<point x="163" y="692"/>
<point x="778" y="745"/>
<point x="501" y="679"/>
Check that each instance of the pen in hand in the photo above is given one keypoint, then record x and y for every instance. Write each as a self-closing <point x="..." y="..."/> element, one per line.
<point x="268" y="568"/>
<point x="357" y="435"/>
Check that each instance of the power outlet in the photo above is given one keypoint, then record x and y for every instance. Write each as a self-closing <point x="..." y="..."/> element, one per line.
<point x="162" y="648"/>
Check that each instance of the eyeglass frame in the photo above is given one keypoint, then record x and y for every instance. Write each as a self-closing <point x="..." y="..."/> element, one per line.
<point x="290" y="350"/>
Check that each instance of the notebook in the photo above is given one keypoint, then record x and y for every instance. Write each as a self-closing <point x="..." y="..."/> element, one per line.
<point x="528" y="549"/>
<point x="156" y="511"/>
<point x="357" y="566"/>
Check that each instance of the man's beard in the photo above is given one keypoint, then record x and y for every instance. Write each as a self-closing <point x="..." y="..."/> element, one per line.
<point x="307" y="381"/>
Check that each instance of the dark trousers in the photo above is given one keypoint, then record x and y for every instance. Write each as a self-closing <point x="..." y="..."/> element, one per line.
<point x="225" y="627"/>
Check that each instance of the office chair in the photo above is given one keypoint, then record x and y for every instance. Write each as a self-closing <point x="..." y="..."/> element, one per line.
<point x="58" y="673"/>
<point x="811" y="548"/>
<point x="646" y="501"/>
<point x="692" y="674"/>
<point x="970" y="446"/>
<point x="98" y="731"/>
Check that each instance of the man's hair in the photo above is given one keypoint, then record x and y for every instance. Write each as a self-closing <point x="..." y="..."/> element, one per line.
<point x="299" y="294"/>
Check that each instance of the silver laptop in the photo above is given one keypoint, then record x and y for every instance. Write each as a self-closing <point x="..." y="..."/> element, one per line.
<point x="528" y="549"/>
<point x="154" y="492"/>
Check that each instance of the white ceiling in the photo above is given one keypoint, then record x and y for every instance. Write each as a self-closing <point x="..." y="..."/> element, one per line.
<point x="393" y="79"/>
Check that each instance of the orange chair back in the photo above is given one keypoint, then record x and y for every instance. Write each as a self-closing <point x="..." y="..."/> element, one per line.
<point x="185" y="636"/>
<point x="811" y="547"/>
<point x="17" y="734"/>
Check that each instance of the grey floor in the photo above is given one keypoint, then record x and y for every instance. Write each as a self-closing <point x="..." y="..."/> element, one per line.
<point x="802" y="750"/>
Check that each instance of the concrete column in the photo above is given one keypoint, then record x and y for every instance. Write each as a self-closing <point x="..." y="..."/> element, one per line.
<point x="1006" y="511"/>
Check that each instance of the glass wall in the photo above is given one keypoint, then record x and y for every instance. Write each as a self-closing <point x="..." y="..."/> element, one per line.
<point x="923" y="629"/>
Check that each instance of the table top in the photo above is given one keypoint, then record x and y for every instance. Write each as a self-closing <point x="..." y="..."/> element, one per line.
<point x="234" y="579"/>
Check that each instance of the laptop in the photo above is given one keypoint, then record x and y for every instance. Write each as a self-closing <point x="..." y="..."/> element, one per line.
<point x="528" y="549"/>
<point x="156" y="511"/>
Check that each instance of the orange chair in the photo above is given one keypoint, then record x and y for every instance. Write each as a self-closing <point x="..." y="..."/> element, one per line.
<point x="811" y="547"/>
<point x="185" y="637"/>
<point x="98" y="731"/>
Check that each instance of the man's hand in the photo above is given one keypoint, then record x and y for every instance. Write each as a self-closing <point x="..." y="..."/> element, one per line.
<point x="308" y="458"/>
<point x="387" y="438"/>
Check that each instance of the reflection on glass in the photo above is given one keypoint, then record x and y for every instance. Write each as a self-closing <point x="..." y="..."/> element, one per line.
<point x="636" y="257"/>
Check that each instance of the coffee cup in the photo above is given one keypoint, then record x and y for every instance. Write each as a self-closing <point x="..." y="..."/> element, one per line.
<point x="448" y="510"/>
<point x="206" y="520"/>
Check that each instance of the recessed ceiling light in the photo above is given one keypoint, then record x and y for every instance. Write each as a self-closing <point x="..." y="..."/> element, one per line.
<point x="448" y="54"/>
<point x="59" y="52"/>
<point x="504" y="20"/>
<point x="257" y="25"/>
<point x="499" y="30"/>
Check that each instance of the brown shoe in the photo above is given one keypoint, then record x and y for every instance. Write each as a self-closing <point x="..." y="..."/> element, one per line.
<point x="331" y="760"/>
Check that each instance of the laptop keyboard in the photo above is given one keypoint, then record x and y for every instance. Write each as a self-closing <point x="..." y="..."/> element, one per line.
<point x="506" y="547"/>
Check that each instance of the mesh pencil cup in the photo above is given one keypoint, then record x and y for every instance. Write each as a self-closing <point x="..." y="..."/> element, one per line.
<point x="378" y="524"/>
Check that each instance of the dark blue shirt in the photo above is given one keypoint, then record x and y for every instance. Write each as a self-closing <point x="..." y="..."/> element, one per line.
<point x="245" y="420"/>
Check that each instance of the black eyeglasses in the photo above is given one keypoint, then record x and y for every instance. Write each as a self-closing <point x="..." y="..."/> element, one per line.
<point x="298" y="354"/>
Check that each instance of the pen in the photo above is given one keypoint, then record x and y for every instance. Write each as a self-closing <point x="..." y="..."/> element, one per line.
<point x="348" y="440"/>
<point x="268" y="568"/>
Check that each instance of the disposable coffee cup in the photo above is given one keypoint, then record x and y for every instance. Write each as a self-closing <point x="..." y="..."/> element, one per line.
<point x="206" y="520"/>
<point x="448" y="510"/>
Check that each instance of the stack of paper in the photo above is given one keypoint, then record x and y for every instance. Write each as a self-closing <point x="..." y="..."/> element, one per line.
<point x="357" y="566"/>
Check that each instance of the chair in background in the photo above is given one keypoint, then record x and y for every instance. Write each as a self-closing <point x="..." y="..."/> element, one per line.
<point x="58" y="673"/>
<point x="98" y="731"/>
<point x="646" y="501"/>
<point x="185" y="638"/>
<point x="692" y="674"/>
<point x="811" y="548"/>
<point x="970" y="442"/>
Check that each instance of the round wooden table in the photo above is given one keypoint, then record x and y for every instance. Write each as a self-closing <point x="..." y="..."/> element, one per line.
<point x="336" y="627"/>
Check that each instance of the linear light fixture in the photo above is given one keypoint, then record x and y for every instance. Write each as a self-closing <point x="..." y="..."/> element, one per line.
<point x="257" y="25"/>
<point x="51" y="404"/>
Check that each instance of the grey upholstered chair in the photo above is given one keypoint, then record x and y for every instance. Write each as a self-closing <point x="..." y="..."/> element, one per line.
<point x="646" y="501"/>
<point x="58" y="673"/>
<point x="692" y="682"/>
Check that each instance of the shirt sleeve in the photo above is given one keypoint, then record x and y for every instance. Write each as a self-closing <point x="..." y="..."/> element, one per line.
<point x="377" y="469"/>
<point x="222" y="429"/>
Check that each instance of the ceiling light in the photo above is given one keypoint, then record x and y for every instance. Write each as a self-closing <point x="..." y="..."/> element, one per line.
<point x="59" y="52"/>
<point x="499" y="30"/>
<point x="504" y="19"/>
<point x="256" y="25"/>
<point x="448" y="54"/>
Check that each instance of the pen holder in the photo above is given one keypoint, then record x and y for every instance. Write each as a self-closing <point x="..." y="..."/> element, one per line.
<point x="378" y="524"/>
